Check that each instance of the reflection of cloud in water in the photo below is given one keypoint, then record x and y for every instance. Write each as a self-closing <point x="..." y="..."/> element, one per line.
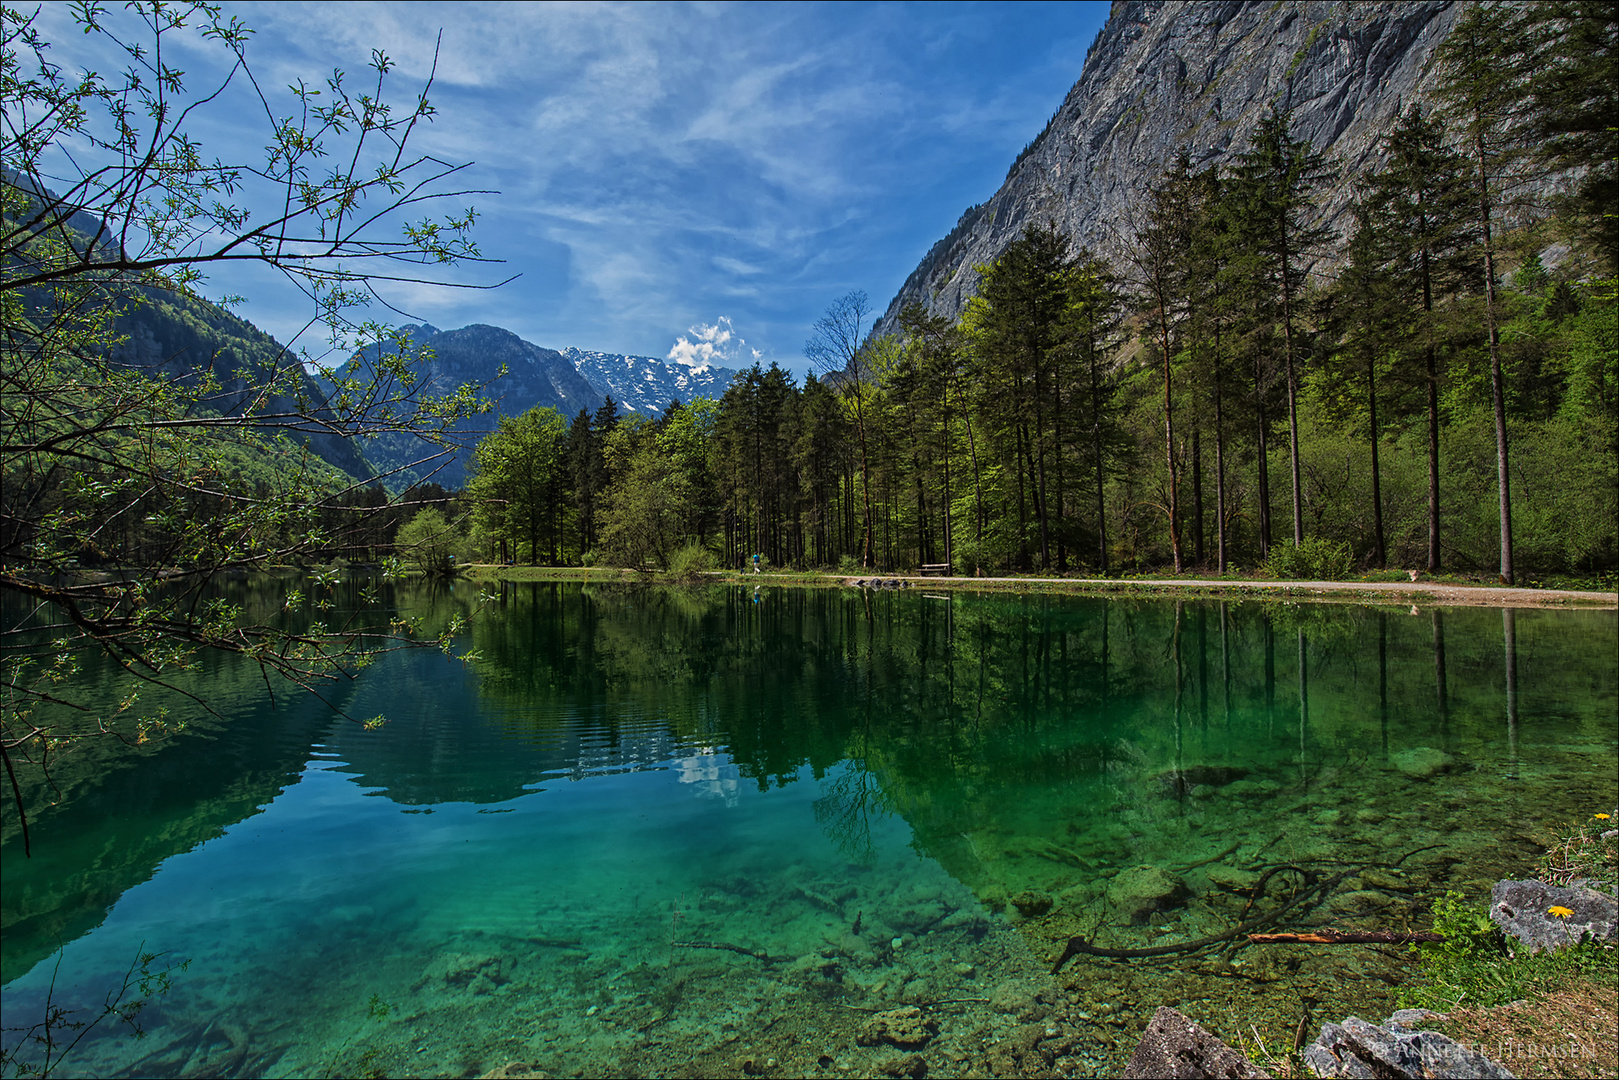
<point x="714" y="774"/>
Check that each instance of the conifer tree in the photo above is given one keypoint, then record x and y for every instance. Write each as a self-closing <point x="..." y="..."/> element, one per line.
<point x="1158" y="250"/>
<point x="1485" y="90"/>
<point x="1017" y="326"/>
<point x="1276" y="178"/>
<point x="1420" y="209"/>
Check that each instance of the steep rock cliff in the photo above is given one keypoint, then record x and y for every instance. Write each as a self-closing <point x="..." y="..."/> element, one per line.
<point x="1198" y="74"/>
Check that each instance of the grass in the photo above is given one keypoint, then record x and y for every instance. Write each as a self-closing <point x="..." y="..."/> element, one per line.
<point x="1541" y="1015"/>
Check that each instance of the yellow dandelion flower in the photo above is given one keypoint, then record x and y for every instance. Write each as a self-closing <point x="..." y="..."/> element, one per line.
<point x="1602" y="817"/>
<point x="1560" y="911"/>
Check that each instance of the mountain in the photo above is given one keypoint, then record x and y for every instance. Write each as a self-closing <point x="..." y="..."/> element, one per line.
<point x="474" y="355"/>
<point x="170" y="334"/>
<point x="645" y="385"/>
<point x="167" y="334"/>
<point x="1197" y="74"/>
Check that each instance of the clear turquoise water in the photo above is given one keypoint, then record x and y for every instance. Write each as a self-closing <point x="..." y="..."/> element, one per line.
<point x="852" y="787"/>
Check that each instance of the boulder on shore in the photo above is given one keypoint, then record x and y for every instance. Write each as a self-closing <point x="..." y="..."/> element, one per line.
<point x="1550" y="917"/>
<point x="1358" y="1049"/>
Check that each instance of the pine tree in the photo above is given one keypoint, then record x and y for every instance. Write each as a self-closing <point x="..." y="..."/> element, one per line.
<point x="1485" y="82"/>
<point x="1159" y="248"/>
<point x="1016" y="325"/>
<point x="1275" y="180"/>
<point x="1421" y="209"/>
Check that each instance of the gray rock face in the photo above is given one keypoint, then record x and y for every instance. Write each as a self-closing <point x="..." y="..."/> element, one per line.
<point x="1357" y="1049"/>
<point x="1524" y="910"/>
<point x="1161" y="76"/>
<point x="1175" y="1048"/>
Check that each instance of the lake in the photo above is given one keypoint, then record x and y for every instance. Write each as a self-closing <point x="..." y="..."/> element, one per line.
<point x="718" y="831"/>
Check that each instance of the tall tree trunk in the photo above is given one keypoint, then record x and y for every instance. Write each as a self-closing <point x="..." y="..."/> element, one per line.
<point x="1219" y="464"/>
<point x="1264" y="456"/>
<point x="1433" y="459"/>
<point x="1169" y="438"/>
<point x="1096" y="449"/>
<point x="1022" y="437"/>
<point x="1292" y="402"/>
<point x="1197" y="494"/>
<point x="1044" y="506"/>
<point x="1377" y="475"/>
<point x="1497" y="383"/>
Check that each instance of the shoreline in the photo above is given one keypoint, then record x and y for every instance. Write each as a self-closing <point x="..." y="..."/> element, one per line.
<point x="1418" y="593"/>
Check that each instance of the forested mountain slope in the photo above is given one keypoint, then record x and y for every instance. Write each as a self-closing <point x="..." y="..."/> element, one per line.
<point x="513" y="374"/>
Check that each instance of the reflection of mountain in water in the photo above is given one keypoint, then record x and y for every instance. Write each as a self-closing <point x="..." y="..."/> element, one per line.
<point x="111" y="812"/>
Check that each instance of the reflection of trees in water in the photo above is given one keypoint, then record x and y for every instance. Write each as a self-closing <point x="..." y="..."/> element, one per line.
<point x="846" y="807"/>
<point x="944" y="710"/>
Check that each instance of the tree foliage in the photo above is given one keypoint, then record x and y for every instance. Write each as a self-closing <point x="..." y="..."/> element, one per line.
<point x="132" y="479"/>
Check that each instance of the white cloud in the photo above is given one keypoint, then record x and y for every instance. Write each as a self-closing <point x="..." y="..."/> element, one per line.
<point x="718" y="344"/>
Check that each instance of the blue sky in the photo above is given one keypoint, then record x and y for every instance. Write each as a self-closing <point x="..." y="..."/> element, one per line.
<point x="662" y="167"/>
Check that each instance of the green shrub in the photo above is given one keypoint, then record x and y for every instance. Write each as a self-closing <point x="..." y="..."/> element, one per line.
<point x="691" y="560"/>
<point x="1316" y="559"/>
<point x="1472" y="966"/>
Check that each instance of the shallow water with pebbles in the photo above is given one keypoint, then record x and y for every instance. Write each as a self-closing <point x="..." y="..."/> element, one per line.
<point x="695" y="833"/>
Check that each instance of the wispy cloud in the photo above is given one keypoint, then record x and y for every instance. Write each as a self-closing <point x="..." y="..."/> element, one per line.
<point x="655" y="161"/>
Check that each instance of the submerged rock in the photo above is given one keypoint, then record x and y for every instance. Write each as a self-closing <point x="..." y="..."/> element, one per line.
<point x="1183" y="781"/>
<point x="905" y="1028"/>
<point x="1421" y="762"/>
<point x="1031" y="903"/>
<point x="1175" y="1048"/>
<point x="1358" y="1049"/>
<point x="1233" y="879"/>
<point x="1142" y="890"/>
<point x="1251" y="789"/>
<point x="516" y="1070"/>
<point x="1548" y="917"/>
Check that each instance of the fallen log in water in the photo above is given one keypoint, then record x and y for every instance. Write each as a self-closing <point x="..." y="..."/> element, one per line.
<point x="1345" y="937"/>
<point x="1313" y="887"/>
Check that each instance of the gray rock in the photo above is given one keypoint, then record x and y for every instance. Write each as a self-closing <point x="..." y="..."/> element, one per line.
<point x="1175" y="1048"/>
<point x="1196" y="75"/>
<point x="1421" y="762"/>
<point x="1142" y="890"/>
<point x="1523" y="909"/>
<point x="1362" y="1051"/>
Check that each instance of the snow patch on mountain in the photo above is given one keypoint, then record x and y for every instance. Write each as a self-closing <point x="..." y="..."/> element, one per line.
<point x="645" y="384"/>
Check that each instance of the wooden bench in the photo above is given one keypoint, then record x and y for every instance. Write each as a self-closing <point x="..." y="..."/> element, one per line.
<point x="937" y="569"/>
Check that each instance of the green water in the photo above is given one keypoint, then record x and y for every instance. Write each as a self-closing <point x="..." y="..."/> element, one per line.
<point x="535" y="859"/>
